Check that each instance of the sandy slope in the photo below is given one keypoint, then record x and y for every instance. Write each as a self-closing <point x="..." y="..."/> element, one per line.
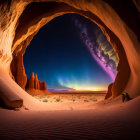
<point x="121" y="121"/>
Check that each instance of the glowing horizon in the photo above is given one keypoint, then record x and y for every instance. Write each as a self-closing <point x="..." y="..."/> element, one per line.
<point x="84" y="84"/>
<point x="78" y="88"/>
<point x="90" y="88"/>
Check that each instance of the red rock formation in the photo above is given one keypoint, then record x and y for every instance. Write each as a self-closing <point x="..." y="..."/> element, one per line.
<point x="43" y="85"/>
<point x="31" y="81"/>
<point x="18" y="71"/>
<point x="21" y="77"/>
<point x="109" y="93"/>
<point x="34" y="83"/>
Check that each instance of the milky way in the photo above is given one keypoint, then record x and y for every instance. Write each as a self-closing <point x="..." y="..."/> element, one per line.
<point x="99" y="48"/>
<point x="71" y="52"/>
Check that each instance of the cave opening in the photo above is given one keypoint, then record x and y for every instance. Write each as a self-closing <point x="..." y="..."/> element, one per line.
<point x="70" y="53"/>
<point x="34" y="15"/>
<point x="47" y="11"/>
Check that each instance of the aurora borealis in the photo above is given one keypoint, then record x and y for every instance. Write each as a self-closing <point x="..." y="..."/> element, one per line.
<point x="70" y="52"/>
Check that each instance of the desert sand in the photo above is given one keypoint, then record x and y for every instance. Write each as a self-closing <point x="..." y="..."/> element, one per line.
<point x="95" y="119"/>
<point x="71" y="100"/>
<point x="106" y="122"/>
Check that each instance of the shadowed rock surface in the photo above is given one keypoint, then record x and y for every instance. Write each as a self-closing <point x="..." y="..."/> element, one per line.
<point x="18" y="71"/>
<point x="8" y="98"/>
<point x="109" y="92"/>
<point x="34" y="83"/>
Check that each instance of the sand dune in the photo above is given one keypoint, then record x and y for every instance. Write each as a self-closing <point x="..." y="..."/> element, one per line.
<point x="118" y="122"/>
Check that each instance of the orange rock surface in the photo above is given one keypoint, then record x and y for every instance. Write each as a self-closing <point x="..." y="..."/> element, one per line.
<point x="109" y="92"/>
<point x="18" y="71"/>
<point x="34" y="83"/>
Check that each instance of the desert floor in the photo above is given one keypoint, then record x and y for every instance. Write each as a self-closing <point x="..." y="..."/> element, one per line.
<point x="78" y="100"/>
<point x="77" y="116"/>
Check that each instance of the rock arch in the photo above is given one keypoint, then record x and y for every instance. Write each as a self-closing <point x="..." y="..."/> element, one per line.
<point x="21" y="20"/>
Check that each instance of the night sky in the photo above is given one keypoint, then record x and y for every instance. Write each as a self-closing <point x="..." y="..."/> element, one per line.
<point x="71" y="52"/>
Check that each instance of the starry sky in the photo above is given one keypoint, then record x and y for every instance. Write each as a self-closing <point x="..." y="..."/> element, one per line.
<point x="71" y="53"/>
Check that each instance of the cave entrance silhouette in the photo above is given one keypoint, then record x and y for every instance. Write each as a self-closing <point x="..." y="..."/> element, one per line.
<point x="60" y="55"/>
<point x="37" y="14"/>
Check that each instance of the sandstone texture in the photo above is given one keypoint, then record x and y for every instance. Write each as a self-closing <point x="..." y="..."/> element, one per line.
<point x="31" y="82"/>
<point x="109" y="92"/>
<point x="18" y="71"/>
<point x="34" y="83"/>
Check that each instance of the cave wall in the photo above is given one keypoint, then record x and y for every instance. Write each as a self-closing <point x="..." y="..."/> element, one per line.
<point x="18" y="71"/>
<point x="20" y="20"/>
